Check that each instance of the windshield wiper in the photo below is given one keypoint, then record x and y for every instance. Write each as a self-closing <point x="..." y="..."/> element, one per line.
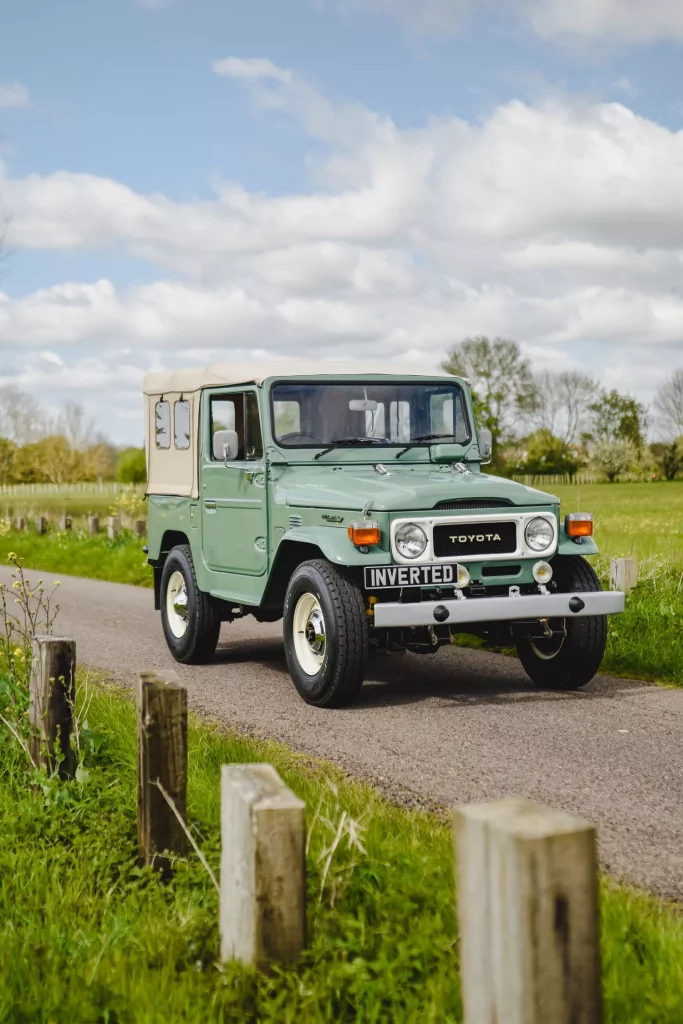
<point x="423" y="437"/>
<point x="350" y="442"/>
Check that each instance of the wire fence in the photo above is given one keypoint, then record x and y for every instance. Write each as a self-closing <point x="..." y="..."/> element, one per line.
<point x="88" y="487"/>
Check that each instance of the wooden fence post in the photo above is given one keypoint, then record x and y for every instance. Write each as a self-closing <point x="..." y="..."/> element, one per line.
<point x="162" y="769"/>
<point x="528" y="911"/>
<point x="623" y="574"/>
<point x="263" y="871"/>
<point x="51" y="703"/>
<point x="113" y="527"/>
<point x="65" y="524"/>
<point x="20" y="523"/>
<point x="41" y="524"/>
<point x="140" y="528"/>
<point x="93" y="526"/>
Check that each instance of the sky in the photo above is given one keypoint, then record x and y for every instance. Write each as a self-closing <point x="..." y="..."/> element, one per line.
<point x="191" y="181"/>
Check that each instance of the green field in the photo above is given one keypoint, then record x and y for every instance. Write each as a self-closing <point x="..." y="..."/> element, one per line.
<point x="643" y="520"/>
<point x="87" y="936"/>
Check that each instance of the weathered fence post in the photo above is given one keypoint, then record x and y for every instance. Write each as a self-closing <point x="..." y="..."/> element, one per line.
<point x="623" y="574"/>
<point x="20" y="523"/>
<point x="93" y="526"/>
<point x="528" y="911"/>
<point x="51" y="703"/>
<point x="113" y="527"/>
<point x="65" y="524"/>
<point x="162" y="769"/>
<point x="41" y="524"/>
<point x="263" y="873"/>
<point x="140" y="528"/>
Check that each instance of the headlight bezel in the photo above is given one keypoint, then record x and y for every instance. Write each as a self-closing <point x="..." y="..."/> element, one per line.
<point x="397" y="541"/>
<point x="539" y="549"/>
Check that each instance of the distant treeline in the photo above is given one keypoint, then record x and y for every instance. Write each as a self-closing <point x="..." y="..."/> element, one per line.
<point x="35" y="448"/>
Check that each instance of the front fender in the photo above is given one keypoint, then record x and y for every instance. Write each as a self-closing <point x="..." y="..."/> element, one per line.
<point x="335" y="545"/>
<point x="567" y="546"/>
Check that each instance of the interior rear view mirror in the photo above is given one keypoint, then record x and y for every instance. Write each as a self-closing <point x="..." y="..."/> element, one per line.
<point x="363" y="405"/>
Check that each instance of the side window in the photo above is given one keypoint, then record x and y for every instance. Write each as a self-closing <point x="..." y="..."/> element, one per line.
<point x="235" y="428"/>
<point x="447" y="416"/>
<point x="399" y="421"/>
<point x="287" y="416"/>
<point x="162" y="424"/>
<point x="181" y="424"/>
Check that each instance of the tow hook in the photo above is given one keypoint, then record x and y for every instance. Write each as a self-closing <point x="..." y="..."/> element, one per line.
<point x="433" y="637"/>
<point x="547" y="631"/>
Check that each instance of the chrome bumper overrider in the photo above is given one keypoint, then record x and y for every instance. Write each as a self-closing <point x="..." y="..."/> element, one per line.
<point x="520" y="608"/>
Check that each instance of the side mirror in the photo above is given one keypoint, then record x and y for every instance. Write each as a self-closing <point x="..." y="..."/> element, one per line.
<point x="485" y="441"/>
<point x="225" y="445"/>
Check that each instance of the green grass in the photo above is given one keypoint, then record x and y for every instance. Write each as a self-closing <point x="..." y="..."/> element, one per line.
<point x="86" y="936"/>
<point x="121" y="560"/>
<point x="66" y="502"/>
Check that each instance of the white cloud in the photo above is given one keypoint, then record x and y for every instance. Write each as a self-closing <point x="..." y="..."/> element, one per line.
<point x="559" y="224"/>
<point x="616" y="21"/>
<point x="251" y="69"/>
<point x="14" y="95"/>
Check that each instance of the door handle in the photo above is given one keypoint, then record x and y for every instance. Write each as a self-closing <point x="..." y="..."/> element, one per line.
<point x="210" y="506"/>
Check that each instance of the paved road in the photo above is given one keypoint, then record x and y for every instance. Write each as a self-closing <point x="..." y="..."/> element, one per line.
<point x="452" y="727"/>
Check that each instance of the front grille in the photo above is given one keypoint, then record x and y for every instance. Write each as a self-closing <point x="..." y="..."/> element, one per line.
<point x="455" y="540"/>
<point x="468" y="504"/>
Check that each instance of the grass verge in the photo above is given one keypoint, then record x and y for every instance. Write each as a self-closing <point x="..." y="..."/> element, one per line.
<point x="74" y="553"/>
<point x="86" y="935"/>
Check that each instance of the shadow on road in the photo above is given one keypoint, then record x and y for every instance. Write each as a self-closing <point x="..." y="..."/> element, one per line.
<point x="457" y="675"/>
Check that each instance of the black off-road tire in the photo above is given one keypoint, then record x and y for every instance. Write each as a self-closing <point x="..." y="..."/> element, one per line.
<point x="198" y="644"/>
<point x="578" y="658"/>
<point x="340" y="676"/>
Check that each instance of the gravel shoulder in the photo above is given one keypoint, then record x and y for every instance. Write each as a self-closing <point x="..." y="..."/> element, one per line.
<point x="449" y="728"/>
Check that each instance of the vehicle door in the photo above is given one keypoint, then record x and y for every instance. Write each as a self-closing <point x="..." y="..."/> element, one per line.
<point x="232" y="483"/>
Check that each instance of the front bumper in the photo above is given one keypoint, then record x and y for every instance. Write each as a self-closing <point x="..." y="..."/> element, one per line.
<point x="520" y="608"/>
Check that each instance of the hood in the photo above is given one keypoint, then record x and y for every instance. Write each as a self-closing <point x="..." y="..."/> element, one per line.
<point x="405" y="489"/>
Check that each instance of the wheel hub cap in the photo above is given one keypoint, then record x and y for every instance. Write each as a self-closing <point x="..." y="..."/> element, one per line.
<point x="309" y="634"/>
<point x="176" y="604"/>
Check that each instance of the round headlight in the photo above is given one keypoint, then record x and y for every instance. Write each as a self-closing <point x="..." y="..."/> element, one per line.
<point x="411" y="540"/>
<point x="539" y="534"/>
<point x="542" y="572"/>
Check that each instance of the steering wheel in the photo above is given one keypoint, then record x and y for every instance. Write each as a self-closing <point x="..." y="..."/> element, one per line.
<point x="300" y="435"/>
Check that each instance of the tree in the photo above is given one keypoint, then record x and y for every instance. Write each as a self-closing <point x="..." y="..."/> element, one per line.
<point x="21" y="419"/>
<point x="616" y="417"/>
<point x="503" y="385"/>
<point x="669" y="405"/>
<point x="8" y="452"/>
<point x="131" y="467"/>
<point x="546" y="453"/>
<point x="563" y="403"/>
<point x="669" y="458"/>
<point x="613" y="457"/>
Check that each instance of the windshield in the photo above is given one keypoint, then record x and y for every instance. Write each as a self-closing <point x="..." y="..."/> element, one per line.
<point x="311" y="415"/>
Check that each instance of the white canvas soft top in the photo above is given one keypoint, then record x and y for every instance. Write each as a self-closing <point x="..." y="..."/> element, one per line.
<point x="218" y="374"/>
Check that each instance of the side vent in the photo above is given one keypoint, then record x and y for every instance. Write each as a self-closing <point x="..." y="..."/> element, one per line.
<point x="295" y="521"/>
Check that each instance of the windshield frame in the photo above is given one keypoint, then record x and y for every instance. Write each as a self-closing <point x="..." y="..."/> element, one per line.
<point x="383" y="444"/>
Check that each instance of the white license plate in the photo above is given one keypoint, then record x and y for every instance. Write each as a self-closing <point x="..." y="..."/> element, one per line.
<point x="382" y="576"/>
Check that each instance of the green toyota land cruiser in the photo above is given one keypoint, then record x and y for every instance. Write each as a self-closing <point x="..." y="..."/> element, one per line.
<point x="354" y="506"/>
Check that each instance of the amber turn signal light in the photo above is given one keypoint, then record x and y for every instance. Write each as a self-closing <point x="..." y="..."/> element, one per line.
<point x="364" y="535"/>
<point x="578" y="524"/>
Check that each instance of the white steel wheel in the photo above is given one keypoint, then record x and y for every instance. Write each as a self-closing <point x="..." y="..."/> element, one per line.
<point x="176" y="604"/>
<point x="308" y="627"/>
